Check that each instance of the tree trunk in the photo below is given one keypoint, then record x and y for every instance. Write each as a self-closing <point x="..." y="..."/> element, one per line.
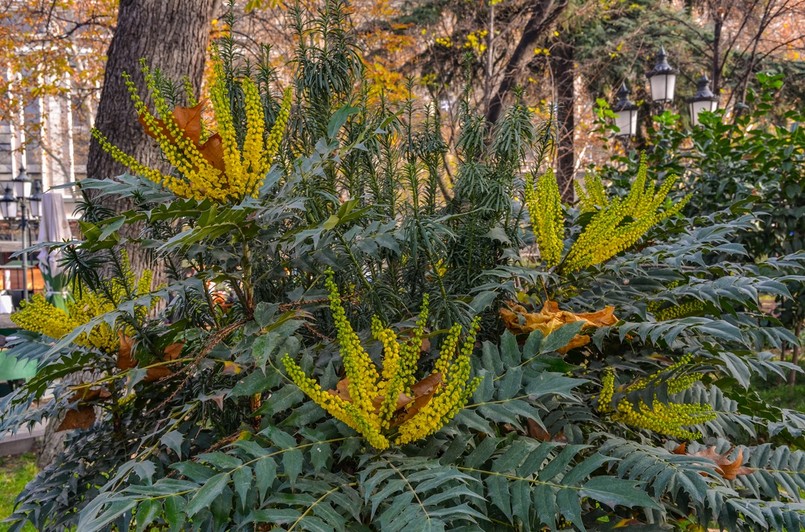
<point x="564" y="76"/>
<point x="543" y="14"/>
<point x="171" y="35"/>
<point x="715" y="78"/>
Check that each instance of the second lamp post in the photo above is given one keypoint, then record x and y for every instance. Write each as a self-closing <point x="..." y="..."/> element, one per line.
<point x="22" y="200"/>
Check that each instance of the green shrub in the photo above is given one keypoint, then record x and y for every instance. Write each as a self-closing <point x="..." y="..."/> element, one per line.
<point x="200" y="428"/>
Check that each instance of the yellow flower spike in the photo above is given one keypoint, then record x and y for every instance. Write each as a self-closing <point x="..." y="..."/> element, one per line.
<point x="272" y="146"/>
<point x="253" y="152"/>
<point x="453" y="394"/>
<point x="668" y="419"/>
<point x="545" y="211"/>
<point x="619" y="224"/>
<point x="373" y="402"/>
<point x="226" y="129"/>
<point x="219" y="169"/>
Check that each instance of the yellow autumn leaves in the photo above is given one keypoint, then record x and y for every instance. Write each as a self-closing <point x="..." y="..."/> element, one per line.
<point x="217" y="166"/>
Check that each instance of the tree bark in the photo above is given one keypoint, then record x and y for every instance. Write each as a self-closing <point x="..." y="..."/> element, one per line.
<point x="171" y="35"/>
<point x="564" y="72"/>
<point x="543" y="14"/>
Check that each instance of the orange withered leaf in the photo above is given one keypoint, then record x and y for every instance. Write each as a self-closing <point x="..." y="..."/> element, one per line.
<point x="156" y="373"/>
<point x="342" y="390"/>
<point x="124" y="358"/>
<point x="423" y="392"/>
<point x="728" y="469"/>
<point x="173" y="351"/>
<point x="80" y="418"/>
<point x="537" y="432"/>
<point x="519" y="321"/>
<point x="189" y="121"/>
<point x="427" y="386"/>
<point x="213" y="151"/>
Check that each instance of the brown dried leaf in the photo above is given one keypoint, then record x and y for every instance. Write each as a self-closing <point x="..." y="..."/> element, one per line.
<point x="728" y="469"/>
<point x="428" y="385"/>
<point x="537" y="432"/>
<point x="423" y="392"/>
<point x="124" y="358"/>
<point x="189" y="121"/>
<point x="156" y="373"/>
<point x="342" y="390"/>
<point x="80" y="418"/>
<point x="213" y="151"/>
<point x="86" y="395"/>
<point x="173" y="351"/>
<point x="425" y="347"/>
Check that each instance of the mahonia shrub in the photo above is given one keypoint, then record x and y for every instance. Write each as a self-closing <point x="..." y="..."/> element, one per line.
<point x="313" y="372"/>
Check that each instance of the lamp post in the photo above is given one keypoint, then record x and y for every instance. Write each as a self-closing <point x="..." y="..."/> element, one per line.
<point x="704" y="100"/>
<point x="625" y="113"/>
<point x="15" y="204"/>
<point x="662" y="79"/>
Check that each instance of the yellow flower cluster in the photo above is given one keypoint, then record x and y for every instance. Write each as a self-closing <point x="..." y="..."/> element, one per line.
<point x="668" y="419"/>
<point x="388" y="406"/>
<point x="219" y="169"/>
<point x="453" y="394"/>
<point x="592" y="195"/>
<point x="622" y="222"/>
<point x="37" y="315"/>
<point x="692" y="307"/>
<point x="617" y="224"/>
<point x="545" y="210"/>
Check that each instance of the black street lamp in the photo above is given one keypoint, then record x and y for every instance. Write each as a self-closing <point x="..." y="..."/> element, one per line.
<point x="662" y="79"/>
<point x="704" y="100"/>
<point x="15" y="203"/>
<point x="625" y="113"/>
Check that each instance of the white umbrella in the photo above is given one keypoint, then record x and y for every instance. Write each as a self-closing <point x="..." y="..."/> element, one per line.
<point x="53" y="227"/>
